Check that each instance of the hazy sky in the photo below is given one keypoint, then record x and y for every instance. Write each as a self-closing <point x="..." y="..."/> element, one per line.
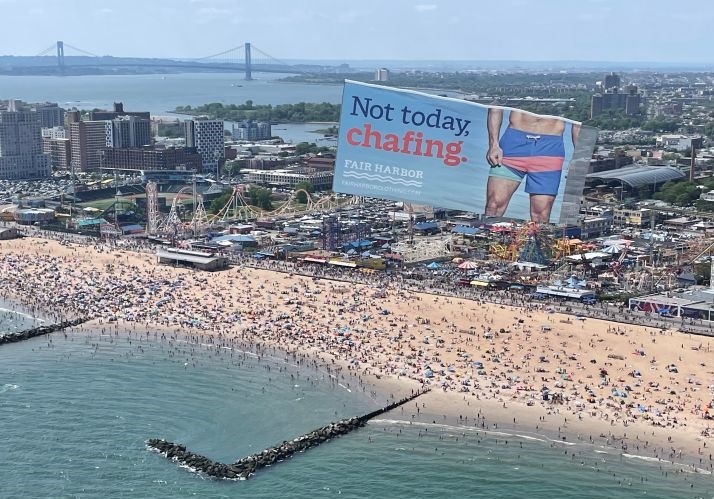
<point x="586" y="30"/>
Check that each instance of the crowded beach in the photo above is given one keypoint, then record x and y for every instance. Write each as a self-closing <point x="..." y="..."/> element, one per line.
<point x="520" y="365"/>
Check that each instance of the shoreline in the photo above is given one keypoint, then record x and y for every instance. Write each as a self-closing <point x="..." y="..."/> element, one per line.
<point x="342" y="326"/>
<point x="440" y="410"/>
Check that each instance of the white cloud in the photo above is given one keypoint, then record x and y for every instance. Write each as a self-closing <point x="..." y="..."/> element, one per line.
<point x="425" y="7"/>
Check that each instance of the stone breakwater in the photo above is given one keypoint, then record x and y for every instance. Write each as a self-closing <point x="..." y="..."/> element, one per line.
<point x="39" y="331"/>
<point x="246" y="467"/>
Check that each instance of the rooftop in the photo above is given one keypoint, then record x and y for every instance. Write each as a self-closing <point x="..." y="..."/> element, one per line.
<point x="187" y="257"/>
<point x="638" y="176"/>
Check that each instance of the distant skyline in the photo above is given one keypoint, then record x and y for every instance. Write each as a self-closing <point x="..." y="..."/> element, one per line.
<point x="525" y="30"/>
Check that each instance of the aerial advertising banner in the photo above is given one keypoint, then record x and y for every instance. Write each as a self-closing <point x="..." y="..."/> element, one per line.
<point x="451" y="153"/>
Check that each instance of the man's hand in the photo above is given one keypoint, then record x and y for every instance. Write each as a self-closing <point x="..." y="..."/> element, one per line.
<point x="494" y="156"/>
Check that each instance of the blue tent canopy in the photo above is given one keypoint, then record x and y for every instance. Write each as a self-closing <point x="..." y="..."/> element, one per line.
<point x="363" y="243"/>
<point x="433" y="266"/>
<point x="426" y="226"/>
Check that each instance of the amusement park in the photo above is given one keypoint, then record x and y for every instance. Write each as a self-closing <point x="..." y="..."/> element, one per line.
<point x="347" y="231"/>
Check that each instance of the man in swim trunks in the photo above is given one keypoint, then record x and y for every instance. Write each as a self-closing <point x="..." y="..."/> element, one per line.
<point x="531" y="146"/>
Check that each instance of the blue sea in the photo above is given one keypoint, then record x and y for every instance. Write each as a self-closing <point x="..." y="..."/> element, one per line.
<point x="76" y="410"/>
<point x="14" y="317"/>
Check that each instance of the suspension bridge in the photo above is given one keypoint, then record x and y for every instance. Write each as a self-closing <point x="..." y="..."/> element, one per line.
<point x="63" y="58"/>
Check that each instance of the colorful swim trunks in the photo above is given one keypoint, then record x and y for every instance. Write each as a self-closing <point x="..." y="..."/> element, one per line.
<point x="539" y="156"/>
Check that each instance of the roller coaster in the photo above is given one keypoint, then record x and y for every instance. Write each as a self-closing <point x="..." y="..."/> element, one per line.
<point x="528" y="243"/>
<point x="237" y="208"/>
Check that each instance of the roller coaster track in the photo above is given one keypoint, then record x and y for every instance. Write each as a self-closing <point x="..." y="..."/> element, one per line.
<point x="238" y="208"/>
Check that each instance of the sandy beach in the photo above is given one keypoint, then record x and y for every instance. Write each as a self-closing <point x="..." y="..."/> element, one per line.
<point x="519" y="370"/>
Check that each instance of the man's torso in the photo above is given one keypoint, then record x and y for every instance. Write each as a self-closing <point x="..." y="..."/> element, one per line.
<point x="536" y="124"/>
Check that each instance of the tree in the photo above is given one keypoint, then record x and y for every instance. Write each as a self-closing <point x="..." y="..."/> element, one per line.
<point x="232" y="167"/>
<point x="661" y="125"/>
<point x="305" y="148"/>
<point x="679" y="193"/>
<point x="284" y="113"/>
<point x="220" y="201"/>
<point x="309" y="148"/>
<point x="260" y="197"/>
<point x="303" y="186"/>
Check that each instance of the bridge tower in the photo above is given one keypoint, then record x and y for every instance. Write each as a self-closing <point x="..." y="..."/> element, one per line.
<point x="60" y="54"/>
<point x="248" y="75"/>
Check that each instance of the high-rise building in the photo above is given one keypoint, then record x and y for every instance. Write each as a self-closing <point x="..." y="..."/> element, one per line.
<point x="50" y="114"/>
<point x="72" y="116"/>
<point x="382" y="74"/>
<point x="117" y="112"/>
<point x="56" y="144"/>
<point x="59" y="151"/>
<point x="88" y="138"/>
<point x="56" y="132"/>
<point x="612" y="97"/>
<point x="21" y="154"/>
<point x="131" y="132"/>
<point x="206" y="136"/>
<point x="612" y="80"/>
<point x="251" y="130"/>
<point x="148" y="158"/>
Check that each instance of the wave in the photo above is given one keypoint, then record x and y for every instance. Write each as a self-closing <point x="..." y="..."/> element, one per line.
<point x="478" y="429"/>
<point x="380" y="178"/>
<point x="29" y="316"/>
<point x="685" y="468"/>
<point x="8" y="387"/>
<point x="643" y="458"/>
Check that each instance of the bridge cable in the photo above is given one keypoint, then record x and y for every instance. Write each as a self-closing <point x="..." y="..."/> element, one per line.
<point x="240" y="47"/>
<point x="49" y="50"/>
<point x="84" y="52"/>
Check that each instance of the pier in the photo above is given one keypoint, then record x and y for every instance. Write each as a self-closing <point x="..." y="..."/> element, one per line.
<point x="39" y="331"/>
<point x="246" y="467"/>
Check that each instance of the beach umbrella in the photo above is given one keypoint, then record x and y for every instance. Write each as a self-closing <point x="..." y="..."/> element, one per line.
<point x="433" y="266"/>
<point x="467" y="265"/>
<point x="457" y="260"/>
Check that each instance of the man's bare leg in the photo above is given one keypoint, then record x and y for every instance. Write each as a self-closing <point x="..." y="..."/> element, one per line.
<point x="498" y="194"/>
<point x="541" y="206"/>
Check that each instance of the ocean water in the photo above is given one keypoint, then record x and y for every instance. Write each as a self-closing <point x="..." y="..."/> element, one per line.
<point x="75" y="413"/>
<point x="15" y="318"/>
<point x="160" y="94"/>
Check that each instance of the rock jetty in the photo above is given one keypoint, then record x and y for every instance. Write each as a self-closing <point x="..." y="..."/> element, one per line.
<point x="246" y="467"/>
<point x="39" y="331"/>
